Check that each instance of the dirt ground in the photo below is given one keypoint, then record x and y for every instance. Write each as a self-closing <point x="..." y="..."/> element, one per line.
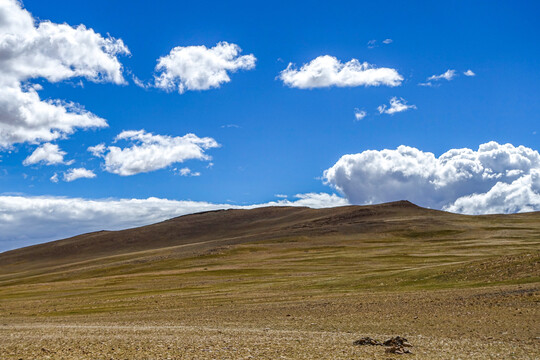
<point x="483" y="323"/>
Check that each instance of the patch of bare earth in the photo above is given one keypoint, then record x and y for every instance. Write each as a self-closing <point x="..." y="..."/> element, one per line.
<point x="487" y="323"/>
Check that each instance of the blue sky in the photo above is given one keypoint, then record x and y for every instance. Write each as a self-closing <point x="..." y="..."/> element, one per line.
<point x="279" y="139"/>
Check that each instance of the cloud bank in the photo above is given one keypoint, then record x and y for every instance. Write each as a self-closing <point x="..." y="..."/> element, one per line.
<point x="327" y="71"/>
<point x="496" y="178"/>
<point x="56" y="217"/>
<point x="199" y="67"/>
<point x="149" y="152"/>
<point x="54" y="52"/>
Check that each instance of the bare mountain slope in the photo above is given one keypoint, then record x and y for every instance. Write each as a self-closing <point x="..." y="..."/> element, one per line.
<point x="401" y="224"/>
<point x="200" y="232"/>
<point x="224" y="227"/>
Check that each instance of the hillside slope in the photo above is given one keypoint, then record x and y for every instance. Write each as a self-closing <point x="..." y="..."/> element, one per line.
<point x="398" y="228"/>
<point x="225" y="227"/>
<point x="280" y="282"/>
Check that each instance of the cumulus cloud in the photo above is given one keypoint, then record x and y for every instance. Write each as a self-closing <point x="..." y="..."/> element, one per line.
<point x="149" y="152"/>
<point x="48" y="154"/>
<point x="199" y="67"/>
<point x="521" y="195"/>
<point x="78" y="173"/>
<point x="469" y="73"/>
<point x="494" y="178"/>
<point x="359" y="114"/>
<point x="388" y="41"/>
<point x="447" y="75"/>
<point x="55" y="217"/>
<point x="396" y="105"/>
<point x="327" y="71"/>
<point x="54" y="52"/>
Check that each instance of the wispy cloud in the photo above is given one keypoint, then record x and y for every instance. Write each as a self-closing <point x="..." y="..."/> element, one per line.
<point x="447" y="75"/>
<point x="359" y="114"/>
<point x="396" y="106"/>
<point x="187" y="172"/>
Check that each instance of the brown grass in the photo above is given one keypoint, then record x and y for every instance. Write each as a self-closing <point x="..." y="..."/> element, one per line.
<point x="292" y="283"/>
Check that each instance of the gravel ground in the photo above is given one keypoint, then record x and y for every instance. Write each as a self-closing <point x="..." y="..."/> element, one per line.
<point x="46" y="341"/>
<point x="486" y="323"/>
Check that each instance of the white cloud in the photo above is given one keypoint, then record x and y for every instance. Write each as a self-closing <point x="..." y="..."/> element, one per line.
<point x="455" y="181"/>
<point x="55" y="217"/>
<point x="139" y="82"/>
<point x="312" y="200"/>
<point x="469" y="73"/>
<point x="228" y="126"/>
<point x="97" y="150"/>
<point x="447" y="75"/>
<point x="388" y="41"/>
<point x="78" y="173"/>
<point x="54" y="178"/>
<point x="371" y="44"/>
<point x="187" y="172"/>
<point x="199" y="67"/>
<point x="521" y="195"/>
<point x="396" y="105"/>
<point x="359" y="114"/>
<point x="149" y="152"/>
<point x="49" y="154"/>
<point x="54" y="52"/>
<point x="326" y="71"/>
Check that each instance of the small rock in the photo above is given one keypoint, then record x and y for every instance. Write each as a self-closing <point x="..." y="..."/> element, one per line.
<point x="367" y="341"/>
<point x="397" y="341"/>
<point x="397" y="349"/>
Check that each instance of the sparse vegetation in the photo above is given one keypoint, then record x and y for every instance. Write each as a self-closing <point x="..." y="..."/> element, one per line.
<point x="280" y="282"/>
